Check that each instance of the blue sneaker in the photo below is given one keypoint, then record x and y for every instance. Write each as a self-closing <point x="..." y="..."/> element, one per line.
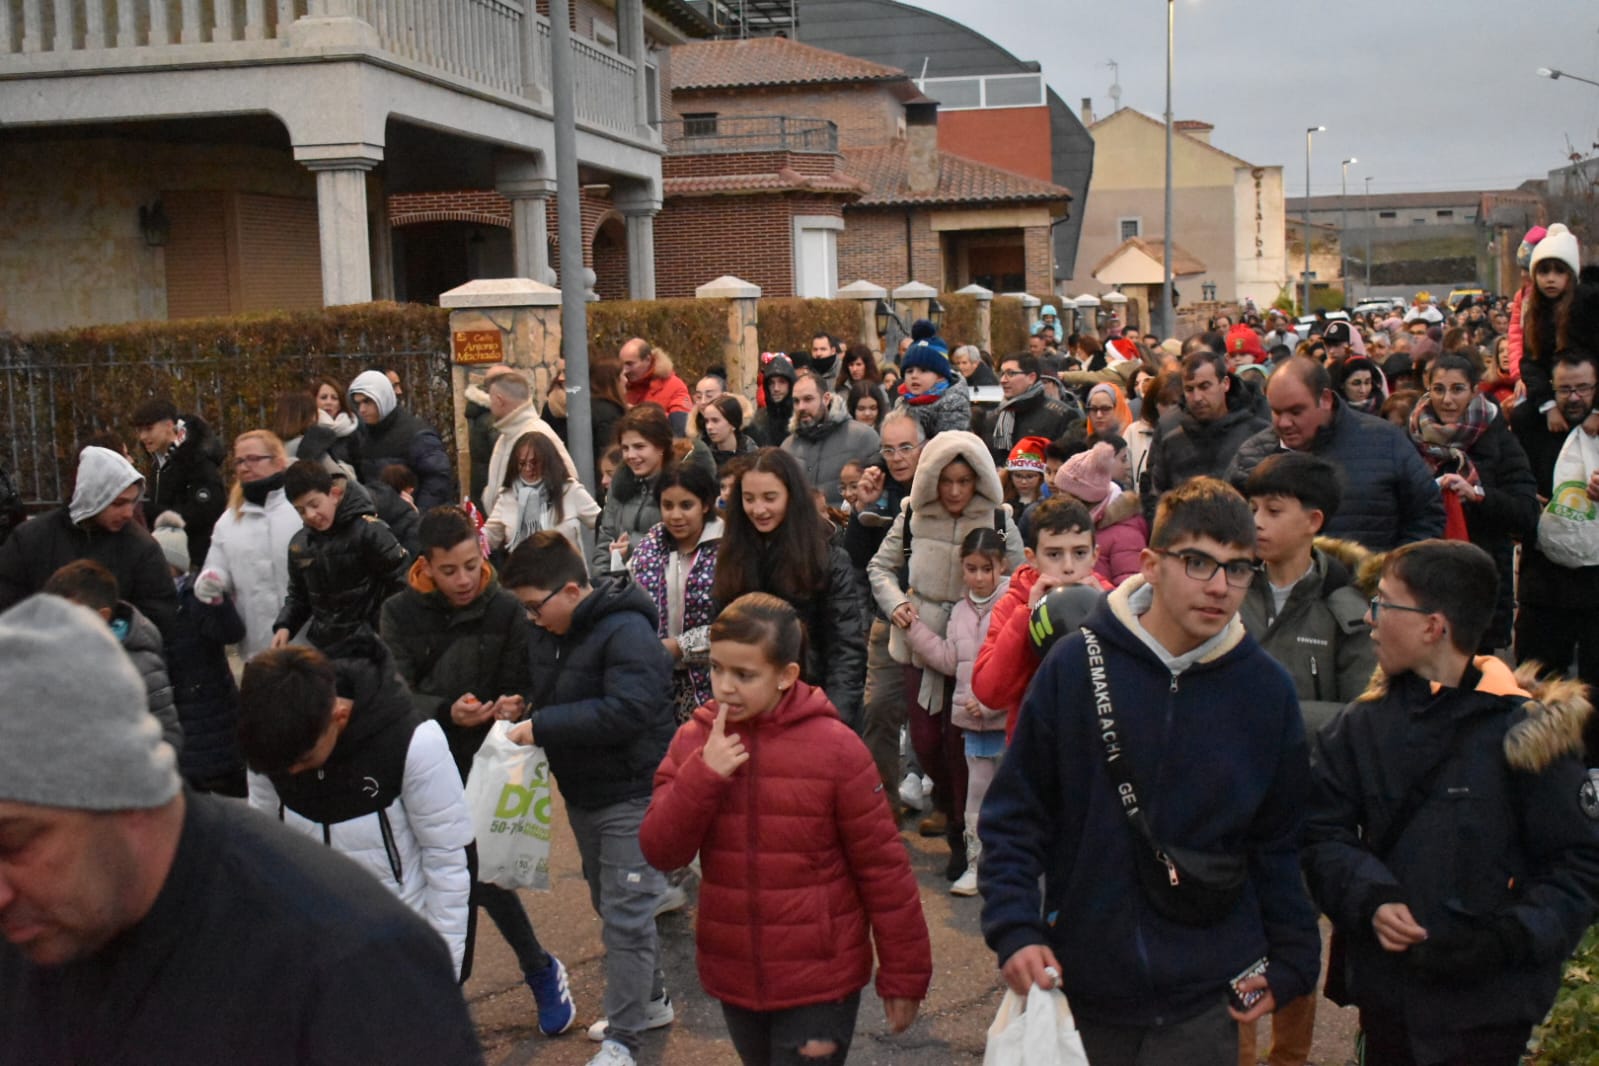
<point x="556" y="1011"/>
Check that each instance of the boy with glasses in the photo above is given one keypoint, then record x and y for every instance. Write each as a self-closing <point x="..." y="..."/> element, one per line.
<point x="1453" y="836"/>
<point x="1171" y="687"/>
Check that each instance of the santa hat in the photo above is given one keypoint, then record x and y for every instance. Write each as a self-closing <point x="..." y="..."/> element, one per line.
<point x="1123" y="348"/>
<point x="1088" y="475"/>
<point x="1028" y="455"/>
<point x="1560" y="243"/>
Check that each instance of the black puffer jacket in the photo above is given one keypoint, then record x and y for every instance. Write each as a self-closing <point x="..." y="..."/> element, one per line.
<point x="1185" y="447"/>
<point x="445" y="652"/>
<point x="602" y="697"/>
<point x="1390" y="497"/>
<point x="1500" y="834"/>
<point x="1035" y="416"/>
<point x="402" y="437"/>
<point x="202" y="685"/>
<point x="190" y="483"/>
<point x="40" y="546"/>
<point x="338" y="579"/>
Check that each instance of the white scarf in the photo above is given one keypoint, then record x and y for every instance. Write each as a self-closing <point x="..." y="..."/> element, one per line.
<point x="532" y="510"/>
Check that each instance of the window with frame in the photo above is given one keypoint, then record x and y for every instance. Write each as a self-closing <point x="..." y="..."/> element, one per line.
<point x="700" y="124"/>
<point x="1131" y="227"/>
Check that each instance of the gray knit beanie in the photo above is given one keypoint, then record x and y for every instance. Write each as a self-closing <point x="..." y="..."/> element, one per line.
<point x="75" y="726"/>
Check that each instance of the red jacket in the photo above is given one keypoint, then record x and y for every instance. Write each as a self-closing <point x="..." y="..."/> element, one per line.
<point x="662" y="386"/>
<point x="800" y="860"/>
<point x="1007" y="661"/>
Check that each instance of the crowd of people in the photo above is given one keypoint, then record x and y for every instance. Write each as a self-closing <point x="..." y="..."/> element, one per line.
<point x="1178" y="646"/>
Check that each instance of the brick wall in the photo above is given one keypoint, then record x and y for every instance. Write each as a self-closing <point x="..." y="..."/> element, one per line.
<point x="1040" y="259"/>
<point x="872" y="247"/>
<point x="608" y="253"/>
<point x="865" y="115"/>
<point x="701" y="238"/>
<point x="464" y="205"/>
<point x="690" y="166"/>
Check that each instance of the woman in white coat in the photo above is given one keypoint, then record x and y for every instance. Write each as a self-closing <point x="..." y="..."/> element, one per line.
<point x="538" y="493"/>
<point x="249" y="556"/>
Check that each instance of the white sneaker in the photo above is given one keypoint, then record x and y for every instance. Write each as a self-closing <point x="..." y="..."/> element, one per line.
<point x="912" y="793"/>
<point x="612" y="1054"/>
<point x="673" y="899"/>
<point x="966" y="883"/>
<point x="658" y="1014"/>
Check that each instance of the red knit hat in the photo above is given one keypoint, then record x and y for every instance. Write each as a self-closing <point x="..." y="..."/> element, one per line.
<point x="1088" y="475"/>
<point x="1028" y="455"/>
<point x="1242" y="340"/>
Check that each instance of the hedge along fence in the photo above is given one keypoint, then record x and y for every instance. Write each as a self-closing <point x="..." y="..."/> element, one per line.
<point x="788" y="323"/>
<point x="60" y="388"/>
<point x="1008" y="326"/>
<point x="960" y="319"/>
<point x="690" y="331"/>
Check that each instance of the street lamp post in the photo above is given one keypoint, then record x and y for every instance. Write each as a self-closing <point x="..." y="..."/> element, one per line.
<point x="1556" y="75"/>
<point x="1168" y="322"/>
<point x="1368" y="237"/>
<point x="1304" y="306"/>
<point x="1343" y="227"/>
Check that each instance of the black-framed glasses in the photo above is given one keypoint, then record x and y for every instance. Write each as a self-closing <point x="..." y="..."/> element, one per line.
<point x="1565" y="392"/>
<point x="533" y="610"/>
<point x="1095" y="409"/>
<point x="1202" y="567"/>
<point x="1377" y="605"/>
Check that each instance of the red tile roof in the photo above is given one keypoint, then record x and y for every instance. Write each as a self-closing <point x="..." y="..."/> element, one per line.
<point x="783" y="180"/>
<point x="768" y="61"/>
<point x="960" y="180"/>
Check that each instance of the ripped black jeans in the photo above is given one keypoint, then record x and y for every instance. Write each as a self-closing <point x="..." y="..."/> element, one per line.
<point x="774" y="1037"/>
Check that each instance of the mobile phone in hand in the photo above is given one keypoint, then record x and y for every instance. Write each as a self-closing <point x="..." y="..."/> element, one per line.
<point x="1241" y="1000"/>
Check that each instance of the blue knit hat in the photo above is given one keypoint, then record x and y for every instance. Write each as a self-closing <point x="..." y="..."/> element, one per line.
<point x="922" y="329"/>
<point x="931" y="355"/>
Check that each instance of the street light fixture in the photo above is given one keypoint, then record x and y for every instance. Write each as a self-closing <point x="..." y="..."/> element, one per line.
<point x="1310" y="131"/>
<point x="1343" y="227"/>
<point x="1168" y="319"/>
<point x="1556" y="75"/>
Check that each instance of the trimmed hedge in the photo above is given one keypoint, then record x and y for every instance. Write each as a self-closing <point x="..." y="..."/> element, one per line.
<point x="1008" y="326"/>
<point x="960" y="319"/>
<point x="788" y="323"/>
<point x="65" y="386"/>
<point x="690" y="331"/>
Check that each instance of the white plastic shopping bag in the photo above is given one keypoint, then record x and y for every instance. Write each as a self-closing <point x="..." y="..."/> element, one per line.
<point x="1036" y="1031"/>
<point x="508" y="791"/>
<point x="1568" y="529"/>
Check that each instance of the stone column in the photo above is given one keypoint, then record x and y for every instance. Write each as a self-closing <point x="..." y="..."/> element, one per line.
<point x="631" y="43"/>
<point x="985" y="315"/>
<point x="639" y="205"/>
<point x="741" y="348"/>
<point x="504" y="320"/>
<point x="867" y="296"/>
<point x="521" y="180"/>
<point x="341" y="171"/>
<point x="911" y="301"/>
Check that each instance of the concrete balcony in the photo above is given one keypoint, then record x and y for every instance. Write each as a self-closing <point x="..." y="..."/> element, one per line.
<point x="495" y="48"/>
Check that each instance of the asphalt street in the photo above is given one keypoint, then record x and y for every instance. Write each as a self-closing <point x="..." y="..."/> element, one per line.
<point x="951" y="1028"/>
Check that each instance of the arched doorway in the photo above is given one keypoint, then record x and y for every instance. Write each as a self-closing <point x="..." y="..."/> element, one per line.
<point x="610" y="259"/>
<point x="436" y="256"/>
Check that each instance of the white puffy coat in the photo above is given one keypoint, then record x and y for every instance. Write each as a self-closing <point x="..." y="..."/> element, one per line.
<point x="431" y="826"/>
<point x="509" y="430"/>
<point x="250" y="550"/>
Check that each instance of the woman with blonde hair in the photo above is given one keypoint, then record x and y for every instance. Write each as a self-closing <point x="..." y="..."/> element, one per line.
<point x="249" y="555"/>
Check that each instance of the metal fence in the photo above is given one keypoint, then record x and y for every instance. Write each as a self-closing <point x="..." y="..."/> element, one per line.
<point x="50" y="407"/>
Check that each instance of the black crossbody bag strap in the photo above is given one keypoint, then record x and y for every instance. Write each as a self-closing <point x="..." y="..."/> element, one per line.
<point x="1116" y="763"/>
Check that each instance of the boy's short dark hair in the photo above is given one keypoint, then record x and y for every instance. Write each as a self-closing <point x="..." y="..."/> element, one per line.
<point x="398" y="477"/>
<point x="85" y="582"/>
<point x="1203" y="507"/>
<point x="1058" y="514"/>
<point x="1310" y="479"/>
<point x="443" y="528"/>
<point x="285" y="704"/>
<point x="1115" y="440"/>
<point x="1456" y="579"/>
<point x="305" y="477"/>
<point x="1027" y="364"/>
<point x="158" y="409"/>
<point x="1205" y="356"/>
<point x="546" y="561"/>
<point x="1063" y="448"/>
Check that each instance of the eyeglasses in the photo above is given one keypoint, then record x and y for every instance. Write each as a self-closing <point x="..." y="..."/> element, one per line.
<point x="1202" y="567"/>
<point x="533" y="610"/>
<point x="1010" y="373"/>
<point x="1567" y="391"/>
<point x="242" y="461"/>
<point x="1098" y="409"/>
<point x="1377" y="605"/>
<point x="890" y="450"/>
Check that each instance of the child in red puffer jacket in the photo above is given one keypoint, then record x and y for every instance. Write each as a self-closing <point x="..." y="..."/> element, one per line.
<point x="802" y="865"/>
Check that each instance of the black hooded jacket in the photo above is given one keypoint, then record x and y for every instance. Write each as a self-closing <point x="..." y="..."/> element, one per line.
<point x="601" y="699"/>
<point x="1186" y="448"/>
<point x="338" y="579"/>
<point x="189" y="482"/>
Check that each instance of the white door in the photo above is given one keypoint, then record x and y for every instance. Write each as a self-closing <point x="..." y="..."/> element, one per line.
<point x="816" y="276"/>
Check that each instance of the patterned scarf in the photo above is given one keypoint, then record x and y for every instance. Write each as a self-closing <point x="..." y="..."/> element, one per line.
<point x="922" y="399"/>
<point x="1442" y="445"/>
<point x="1005" y="416"/>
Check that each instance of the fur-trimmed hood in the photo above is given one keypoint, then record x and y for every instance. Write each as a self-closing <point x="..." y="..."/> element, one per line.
<point x="944" y="449"/>
<point x="835" y="415"/>
<point x="1555" y="710"/>
<point x="1119" y="510"/>
<point x="1363" y="564"/>
<point x="661" y="366"/>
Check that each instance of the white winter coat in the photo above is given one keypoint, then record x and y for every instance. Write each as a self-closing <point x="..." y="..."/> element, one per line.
<point x="251" y="552"/>
<point x="524" y="419"/>
<point x="578" y="510"/>
<point x="431" y="825"/>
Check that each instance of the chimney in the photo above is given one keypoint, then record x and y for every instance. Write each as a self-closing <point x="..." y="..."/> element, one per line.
<point x="1088" y="111"/>
<point x="1193" y="128"/>
<point x="921" y="146"/>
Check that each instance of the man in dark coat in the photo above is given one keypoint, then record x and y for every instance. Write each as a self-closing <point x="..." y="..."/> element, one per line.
<point x="770" y="425"/>
<point x="98" y="524"/>
<point x="185" y="471"/>
<point x="1557" y="619"/>
<point x="1026" y="411"/>
<point x="1201" y="438"/>
<point x="390" y="434"/>
<point x="159" y="925"/>
<point x="1390" y="497"/>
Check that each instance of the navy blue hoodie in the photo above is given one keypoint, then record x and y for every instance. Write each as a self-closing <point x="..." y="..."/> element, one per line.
<point x="1219" y="757"/>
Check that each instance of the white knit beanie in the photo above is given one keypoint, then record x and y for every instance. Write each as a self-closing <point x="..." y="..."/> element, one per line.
<point x="1559" y="243"/>
<point x="169" y="533"/>
<point x="76" y="731"/>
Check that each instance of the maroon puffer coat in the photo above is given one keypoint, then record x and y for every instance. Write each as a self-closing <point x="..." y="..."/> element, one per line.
<point x="800" y="857"/>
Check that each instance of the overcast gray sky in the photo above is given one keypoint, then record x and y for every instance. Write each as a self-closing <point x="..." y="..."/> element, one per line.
<point x="1427" y="94"/>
